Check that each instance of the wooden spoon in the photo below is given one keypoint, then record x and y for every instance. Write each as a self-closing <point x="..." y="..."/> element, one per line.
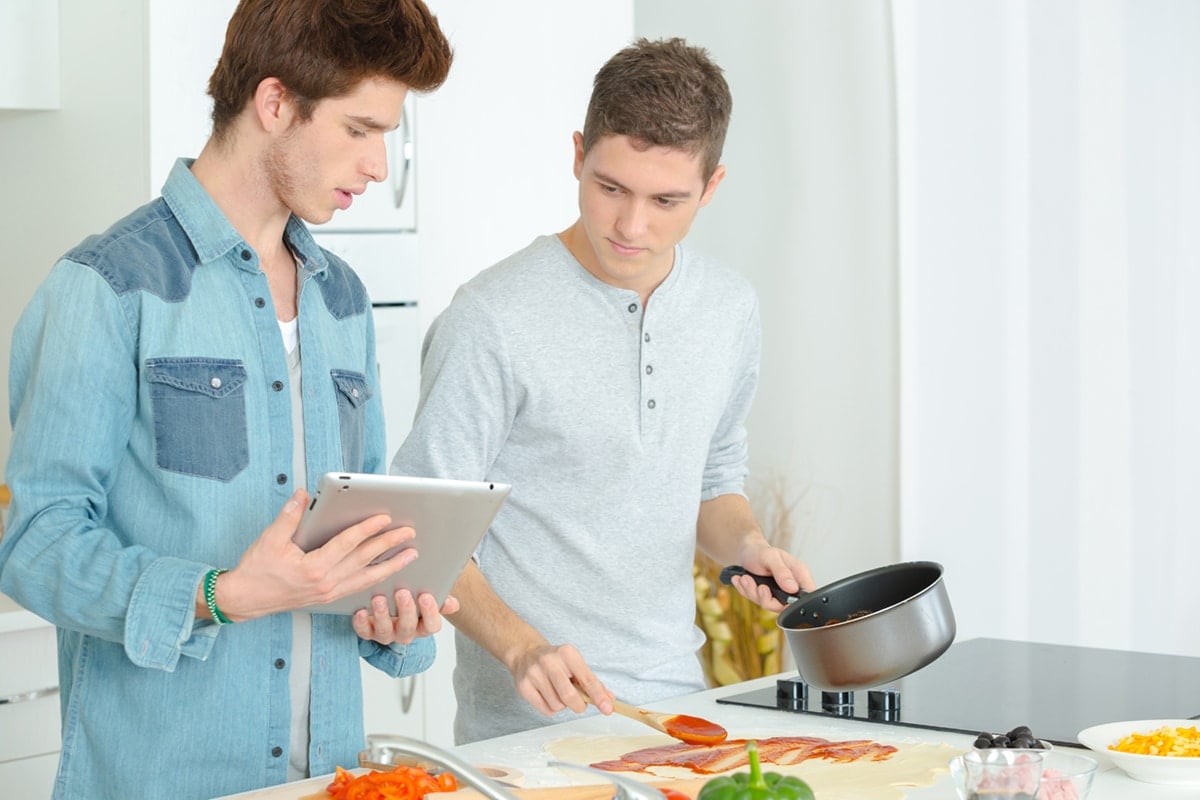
<point x="685" y="728"/>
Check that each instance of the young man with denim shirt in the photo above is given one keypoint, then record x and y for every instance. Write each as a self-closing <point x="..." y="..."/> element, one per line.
<point x="606" y="372"/>
<point x="177" y="382"/>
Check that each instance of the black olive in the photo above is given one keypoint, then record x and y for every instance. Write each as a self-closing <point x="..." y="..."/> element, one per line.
<point x="1022" y="742"/>
<point x="1000" y="741"/>
<point x="1020" y="730"/>
<point x="983" y="742"/>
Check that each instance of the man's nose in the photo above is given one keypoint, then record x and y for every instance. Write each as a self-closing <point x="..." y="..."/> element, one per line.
<point x="631" y="223"/>
<point x="375" y="163"/>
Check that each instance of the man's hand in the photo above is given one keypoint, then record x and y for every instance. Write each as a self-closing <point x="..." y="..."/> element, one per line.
<point x="790" y="573"/>
<point x="275" y="575"/>
<point x="412" y="620"/>
<point x="546" y="676"/>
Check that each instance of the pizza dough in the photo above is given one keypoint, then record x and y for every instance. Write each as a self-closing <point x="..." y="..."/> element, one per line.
<point x="911" y="765"/>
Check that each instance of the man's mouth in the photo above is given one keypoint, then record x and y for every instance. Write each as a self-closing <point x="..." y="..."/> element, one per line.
<point x="624" y="250"/>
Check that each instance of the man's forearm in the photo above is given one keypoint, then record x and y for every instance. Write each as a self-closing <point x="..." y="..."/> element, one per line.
<point x="489" y="621"/>
<point x="724" y="526"/>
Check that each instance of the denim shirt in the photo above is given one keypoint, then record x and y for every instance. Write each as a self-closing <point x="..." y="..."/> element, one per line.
<point x="152" y="441"/>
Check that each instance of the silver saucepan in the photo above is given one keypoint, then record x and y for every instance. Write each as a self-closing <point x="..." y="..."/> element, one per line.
<point x="868" y="629"/>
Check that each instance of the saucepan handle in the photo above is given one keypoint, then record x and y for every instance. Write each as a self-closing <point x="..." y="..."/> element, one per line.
<point x="777" y="591"/>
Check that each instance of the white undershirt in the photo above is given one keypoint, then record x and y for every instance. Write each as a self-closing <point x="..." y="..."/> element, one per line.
<point x="300" y="671"/>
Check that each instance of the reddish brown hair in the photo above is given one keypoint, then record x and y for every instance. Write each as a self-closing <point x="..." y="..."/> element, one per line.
<point x="325" y="48"/>
<point x="663" y="93"/>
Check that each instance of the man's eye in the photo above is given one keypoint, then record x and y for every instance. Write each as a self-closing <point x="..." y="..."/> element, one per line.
<point x="357" y="133"/>
<point x="604" y="187"/>
<point x="666" y="202"/>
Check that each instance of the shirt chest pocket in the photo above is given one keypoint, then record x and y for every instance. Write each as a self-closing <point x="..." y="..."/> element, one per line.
<point x="353" y="392"/>
<point x="199" y="408"/>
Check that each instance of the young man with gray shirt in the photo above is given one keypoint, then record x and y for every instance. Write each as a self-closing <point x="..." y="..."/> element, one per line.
<point x="606" y="373"/>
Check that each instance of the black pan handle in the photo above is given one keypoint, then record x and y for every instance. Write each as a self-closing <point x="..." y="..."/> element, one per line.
<point x="777" y="591"/>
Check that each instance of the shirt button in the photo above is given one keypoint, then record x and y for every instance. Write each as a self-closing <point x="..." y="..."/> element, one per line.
<point x="277" y="751"/>
<point x="649" y="369"/>
<point x="246" y="255"/>
<point x="277" y="386"/>
<point x="645" y="337"/>
<point x="632" y="308"/>
<point x="281" y="479"/>
<point x="280" y="663"/>
<point x="215" y="383"/>
<point x="354" y="392"/>
<point x="650" y="404"/>
<point x="259" y="302"/>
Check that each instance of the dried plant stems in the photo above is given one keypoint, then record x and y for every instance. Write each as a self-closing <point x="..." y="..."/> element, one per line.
<point x="743" y="641"/>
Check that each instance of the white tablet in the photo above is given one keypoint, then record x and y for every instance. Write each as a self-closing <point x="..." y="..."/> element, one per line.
<point x="450" y="517"/>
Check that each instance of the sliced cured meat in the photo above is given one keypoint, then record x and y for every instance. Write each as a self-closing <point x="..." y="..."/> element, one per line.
<point x="731" y="754"/>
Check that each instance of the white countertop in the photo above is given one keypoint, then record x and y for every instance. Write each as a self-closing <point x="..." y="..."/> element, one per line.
<point x="523" y="751"/>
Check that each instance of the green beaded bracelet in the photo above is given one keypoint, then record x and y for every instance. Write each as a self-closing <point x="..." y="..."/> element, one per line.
<point x="210" y="597"/>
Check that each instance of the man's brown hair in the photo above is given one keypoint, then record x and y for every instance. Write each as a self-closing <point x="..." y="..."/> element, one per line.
<point x="324" y="48"/>
<point x="663" y="93"/>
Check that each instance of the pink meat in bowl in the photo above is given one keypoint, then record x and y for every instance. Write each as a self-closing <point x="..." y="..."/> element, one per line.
<point x="1066" y="776"/>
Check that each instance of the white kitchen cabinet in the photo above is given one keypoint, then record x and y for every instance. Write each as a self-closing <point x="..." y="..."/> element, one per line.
<point x="30" y="736"/>
<point x="29" y="64"/>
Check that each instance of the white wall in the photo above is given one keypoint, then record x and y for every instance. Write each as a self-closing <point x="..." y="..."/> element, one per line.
<point x="1050" y="411"/>
<point x="71" y="172"/>
<point x="807" y="213"/>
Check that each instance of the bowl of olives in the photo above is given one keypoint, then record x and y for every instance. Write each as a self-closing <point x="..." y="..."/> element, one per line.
<point x="1019" y="738"/>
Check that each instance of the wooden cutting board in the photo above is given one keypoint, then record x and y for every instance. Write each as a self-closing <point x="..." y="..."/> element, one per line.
<point x="314" y="789"/>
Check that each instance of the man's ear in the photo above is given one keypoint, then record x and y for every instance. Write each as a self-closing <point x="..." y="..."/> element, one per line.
<point x="577" y="138"/>
<point x="272" y="106"/>
<point x="710" y="188"/>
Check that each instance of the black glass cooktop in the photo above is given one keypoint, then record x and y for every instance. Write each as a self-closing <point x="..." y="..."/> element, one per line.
<point x="994" y="685"/>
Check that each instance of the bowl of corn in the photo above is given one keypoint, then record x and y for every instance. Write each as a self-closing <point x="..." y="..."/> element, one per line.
<point x="1151" y="750"/>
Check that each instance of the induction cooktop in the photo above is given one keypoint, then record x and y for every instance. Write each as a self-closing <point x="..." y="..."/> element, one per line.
<point x="994" y="685"/>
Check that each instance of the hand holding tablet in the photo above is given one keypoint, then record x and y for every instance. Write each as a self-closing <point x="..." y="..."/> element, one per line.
<point x="450" y="518"/>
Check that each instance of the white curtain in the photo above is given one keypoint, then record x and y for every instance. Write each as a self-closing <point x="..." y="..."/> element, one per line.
<point x="1049" y="291"/>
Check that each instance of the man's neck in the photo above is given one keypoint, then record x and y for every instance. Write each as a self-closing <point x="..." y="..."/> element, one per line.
<point x="238" y="185"/>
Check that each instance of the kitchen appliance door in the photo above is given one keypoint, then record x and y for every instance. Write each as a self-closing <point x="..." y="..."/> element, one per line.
<point x="398" y="352"/>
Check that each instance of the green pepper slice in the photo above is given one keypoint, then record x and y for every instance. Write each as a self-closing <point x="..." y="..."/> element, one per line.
<point x="755" y="785"/>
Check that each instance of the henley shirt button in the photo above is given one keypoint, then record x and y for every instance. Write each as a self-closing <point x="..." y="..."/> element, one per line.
<point x="632" y="308"/>
<point x="280" y="663"/>
<point x="277" y="386"/>
<point x="277" y="751"/>
<point x="246" y="255"/>
<point x="215" y="383"/>
<point x="354" y="392"/>
<point x="281" y="479"/>
<point x="649" y="369"/>
<point x="650" y="404"/>
<point x="646" y="337"/>
<point x="259" y="302"/>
